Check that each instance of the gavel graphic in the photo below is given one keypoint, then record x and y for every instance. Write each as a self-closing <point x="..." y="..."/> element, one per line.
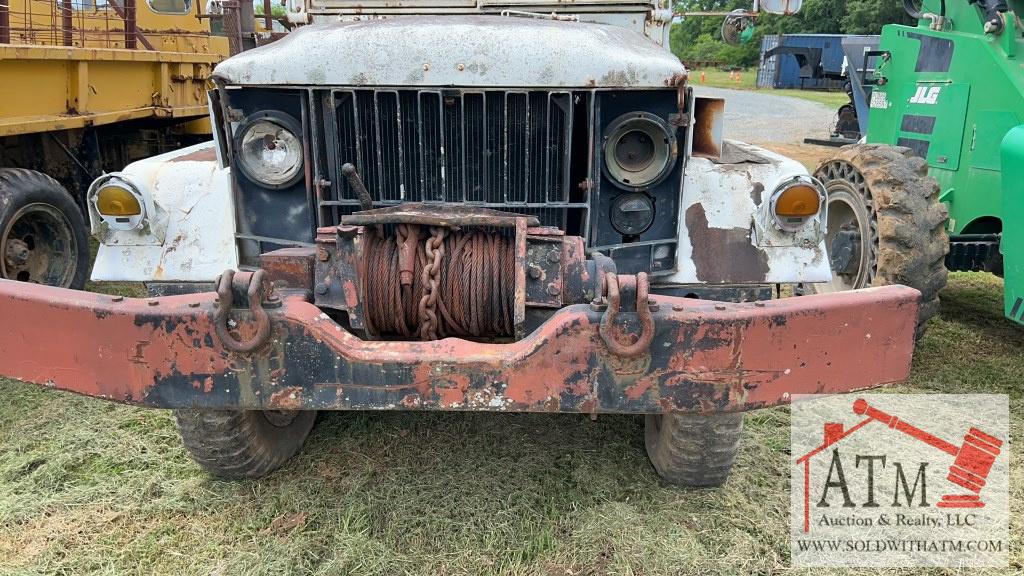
<point x="972" y="462"/>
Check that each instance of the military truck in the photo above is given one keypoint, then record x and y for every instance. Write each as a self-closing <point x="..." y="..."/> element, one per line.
<point x="447" y="205"/>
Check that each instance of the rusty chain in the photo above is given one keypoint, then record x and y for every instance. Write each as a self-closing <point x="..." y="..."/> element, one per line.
<point x="431" y="277"/>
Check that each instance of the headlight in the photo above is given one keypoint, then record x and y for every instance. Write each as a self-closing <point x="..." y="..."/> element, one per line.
<point x="632" y="214"/>
<point x="639" y="150"/>
<point x="118" y="201"/>
<point x="269" y="149"/>
<point x="795" y="201"/>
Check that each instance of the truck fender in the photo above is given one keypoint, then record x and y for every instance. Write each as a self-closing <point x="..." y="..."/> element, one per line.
<point x="189" y="231"/>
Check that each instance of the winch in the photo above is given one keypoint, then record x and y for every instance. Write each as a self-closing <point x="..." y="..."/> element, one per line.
<point x="422" y="271"/>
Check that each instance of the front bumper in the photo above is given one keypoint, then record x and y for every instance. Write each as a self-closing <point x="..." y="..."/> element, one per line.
<point x="704" y="357"/>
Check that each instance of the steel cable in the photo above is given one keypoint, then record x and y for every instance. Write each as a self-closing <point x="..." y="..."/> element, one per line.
<point x="475" y="285"/>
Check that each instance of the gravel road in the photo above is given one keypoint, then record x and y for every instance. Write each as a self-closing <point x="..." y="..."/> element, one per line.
<point x="762" y="118"/>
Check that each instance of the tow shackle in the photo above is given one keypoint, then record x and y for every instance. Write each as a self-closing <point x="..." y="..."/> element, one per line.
<point x="608" y="330"/>
<point x="255" y="291"/>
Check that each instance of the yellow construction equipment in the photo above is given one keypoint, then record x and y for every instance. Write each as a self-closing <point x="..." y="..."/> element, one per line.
<point x="88" y="86"/>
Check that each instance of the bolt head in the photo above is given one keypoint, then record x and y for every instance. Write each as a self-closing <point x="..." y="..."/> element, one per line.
<point x="554" y="290"/>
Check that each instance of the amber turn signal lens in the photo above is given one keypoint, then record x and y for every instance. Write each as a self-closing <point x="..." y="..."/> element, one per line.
<point x="798" y="202"/>
<point x="116" y="201"/>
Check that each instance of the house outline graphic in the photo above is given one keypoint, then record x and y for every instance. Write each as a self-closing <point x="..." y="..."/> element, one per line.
<point x="973" y="460"/>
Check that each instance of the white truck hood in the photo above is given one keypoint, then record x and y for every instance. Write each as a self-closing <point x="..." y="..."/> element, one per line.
<point x="465" y="51"/>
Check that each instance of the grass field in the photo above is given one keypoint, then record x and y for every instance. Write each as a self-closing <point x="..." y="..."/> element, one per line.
<point x="748" y="81"/>
<point x="92" y="487"/>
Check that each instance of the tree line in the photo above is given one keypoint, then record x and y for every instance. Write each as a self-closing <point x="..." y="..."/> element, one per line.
<point x="698" y="39"/>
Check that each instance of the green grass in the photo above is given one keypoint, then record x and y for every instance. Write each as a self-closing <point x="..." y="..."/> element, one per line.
<point x="719" y="79"/>
<point x="92" y="487"/>
<point x="748" y="81"/>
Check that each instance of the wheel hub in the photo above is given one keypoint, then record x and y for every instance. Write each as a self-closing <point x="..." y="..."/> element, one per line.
<point x="845" y="251"/>
<point x="17" y="253"/>
<point x="39" y="246"/>
<point x="852" y="236"/>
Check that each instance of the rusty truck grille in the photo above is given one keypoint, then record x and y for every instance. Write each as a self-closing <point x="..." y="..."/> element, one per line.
<point x="500" y="149"/>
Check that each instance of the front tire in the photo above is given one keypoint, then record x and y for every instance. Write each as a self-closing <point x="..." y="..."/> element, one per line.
<point x="43" y="237"/>
<point x="886" y="224"/>
<point x="694" y="450"/>
<point x="243" y="443"/>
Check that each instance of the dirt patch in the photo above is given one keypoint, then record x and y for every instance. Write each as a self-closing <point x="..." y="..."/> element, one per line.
<point x="807" y="154"/>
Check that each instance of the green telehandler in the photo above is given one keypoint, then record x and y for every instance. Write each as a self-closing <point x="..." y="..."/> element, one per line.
<point x="943" y="155"/>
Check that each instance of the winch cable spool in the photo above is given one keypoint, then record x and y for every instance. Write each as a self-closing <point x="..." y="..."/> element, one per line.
<point x="474" y="295"/>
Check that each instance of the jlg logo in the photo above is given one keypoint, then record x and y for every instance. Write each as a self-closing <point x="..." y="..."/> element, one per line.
<point x="925" y="95"/>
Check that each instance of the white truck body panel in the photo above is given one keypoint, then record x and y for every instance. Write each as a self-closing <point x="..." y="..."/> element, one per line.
<point x="192" y="233"/>
<point x="464" y="51"/>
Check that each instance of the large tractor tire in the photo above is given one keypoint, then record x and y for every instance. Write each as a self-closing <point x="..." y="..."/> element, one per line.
<point x="885" y="223"/>
<point x="243" y="443"/>
<point x="43" y="237"/>
<point x="693" y="450"/>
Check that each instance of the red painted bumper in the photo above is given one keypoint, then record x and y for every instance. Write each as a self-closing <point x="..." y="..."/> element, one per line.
<point x="705" y="356"/>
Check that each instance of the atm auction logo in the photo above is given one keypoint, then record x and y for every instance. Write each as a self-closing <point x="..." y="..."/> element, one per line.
<point x="886" y="480"/>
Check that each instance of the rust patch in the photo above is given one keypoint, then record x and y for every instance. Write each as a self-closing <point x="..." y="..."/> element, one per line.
<point x="451" y="390"/>
<point x="204" y="155"/>
<point x="756" y="193"/>
<point x="450" y="215"/>
<point x="287" y="399"/>
<point x="351" y="293"/>
<point x="290" y="267"/>
<point x="638" y="389"/>
<point x="723" y="255"/>
<point x="707" y="115"/>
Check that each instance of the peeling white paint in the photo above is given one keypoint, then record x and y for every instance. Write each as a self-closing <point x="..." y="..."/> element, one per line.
<point x="491" y="51"/>
<point x="725" y="191"/>
<point x="195" y="208"/>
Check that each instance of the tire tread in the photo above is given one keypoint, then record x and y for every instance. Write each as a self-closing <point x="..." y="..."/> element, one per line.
<point x="694" y="450"/>
<point x="240" y="443"/>
<point x="912" y="239"/>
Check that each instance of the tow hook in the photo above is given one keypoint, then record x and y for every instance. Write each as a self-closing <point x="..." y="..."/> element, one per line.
<point x="253" y="285"/>
<point x="608" y="327"/>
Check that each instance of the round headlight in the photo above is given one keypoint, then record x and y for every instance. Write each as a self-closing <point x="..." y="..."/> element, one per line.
<point x="632" y="214"/>
<point x="118" y="201"/>
<point x="639" y="150"/>
<point x="269" y="149"/>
